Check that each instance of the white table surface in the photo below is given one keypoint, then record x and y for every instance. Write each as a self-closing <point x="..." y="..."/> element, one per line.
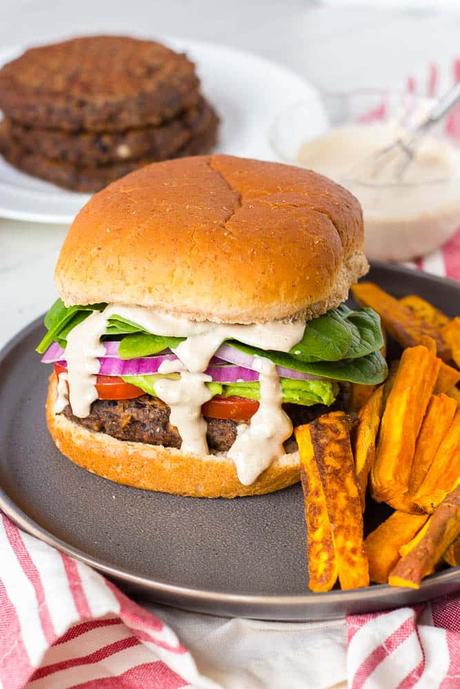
<point x="335" y="47"/>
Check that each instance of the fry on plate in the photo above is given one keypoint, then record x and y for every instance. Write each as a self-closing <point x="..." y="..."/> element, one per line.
<point x="443" y="475"/>
<point x="421" y="556"/>
<point x="438" y="419"/>
<point x="333" y="503"/>
<point x="365" y="439"/>
<point x="403" y="323"/>
<point x="383" y="544"/>
<point x="401" y="421"/>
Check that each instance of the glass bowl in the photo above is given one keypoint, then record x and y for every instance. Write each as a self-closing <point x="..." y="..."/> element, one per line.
<point x="403" y="219"/>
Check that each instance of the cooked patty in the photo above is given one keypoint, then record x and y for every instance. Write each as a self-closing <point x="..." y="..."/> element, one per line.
<point x="99" y="148"/>
<point x="98" y="83"/>
<point x="146" y="420"/>
<point x="91" y="178"/>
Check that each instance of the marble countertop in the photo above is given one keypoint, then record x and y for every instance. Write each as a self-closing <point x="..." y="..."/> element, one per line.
<point x="335" y="47"/>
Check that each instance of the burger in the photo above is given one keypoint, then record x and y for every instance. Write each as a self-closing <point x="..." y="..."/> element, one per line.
<point x="200" y="319"/>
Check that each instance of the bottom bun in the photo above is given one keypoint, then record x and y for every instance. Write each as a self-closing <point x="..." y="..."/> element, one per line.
<point x="159" y="468"/>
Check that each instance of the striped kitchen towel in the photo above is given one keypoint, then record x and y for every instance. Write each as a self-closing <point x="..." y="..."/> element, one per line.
<point x="64" y="626"/>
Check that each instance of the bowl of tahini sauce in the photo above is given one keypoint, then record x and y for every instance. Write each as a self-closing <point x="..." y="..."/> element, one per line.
<point x="405" y="216"/>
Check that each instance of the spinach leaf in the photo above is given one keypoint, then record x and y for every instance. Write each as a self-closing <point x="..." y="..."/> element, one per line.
<point x="58" y="319"/>
<point x="140" y="344"/>
<point x="339" y="334"/>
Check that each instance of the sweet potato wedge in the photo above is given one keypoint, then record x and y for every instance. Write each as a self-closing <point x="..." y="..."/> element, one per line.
<point x="455" y="394"/>
<point x="383" y="544"/>
<point x="402" y="418"/>
<point x="438" y="419"/>
<point x="321" y="557"/>
<point x="425" y="311"/>
<point x="448" y="378"/>
<point x="404" y="324"/>
<point x="451" y="335"/>
<point x="329" y="444"/>
<point x="443" y="475"/>
<point x="365" y="439"/>
<point x="360" y="394"/>
<point x="452" y="554"/>
<point x="441" y="530"/>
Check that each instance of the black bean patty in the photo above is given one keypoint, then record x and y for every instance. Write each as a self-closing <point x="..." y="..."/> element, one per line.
<point x="146" y="420"/>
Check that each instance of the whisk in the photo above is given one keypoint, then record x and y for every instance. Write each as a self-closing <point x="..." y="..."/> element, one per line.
<point x="401" y="152"/>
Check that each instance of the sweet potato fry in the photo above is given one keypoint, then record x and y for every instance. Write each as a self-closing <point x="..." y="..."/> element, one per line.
<point x="365" y="439"/>
<point x="455" y="394"/>
<point x="403" y="324"/>
<point x="443" y="475"/>
<point x="383" y="544"/>
<point x="451" y="335"/>
<point x="438" y="419"/>
<point x="360" y="394"/>
<point x="452" y="554"/>
<point x="442" y="529"/>
<point x="321" y="557"/>
<point x="404" y="411"/>
<point x="425" y="311"/>
<point x="329" y="443"/>
<point x="448" y="378"/>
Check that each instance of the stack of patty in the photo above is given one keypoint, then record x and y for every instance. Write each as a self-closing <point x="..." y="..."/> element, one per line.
<point x="86" y="111"/>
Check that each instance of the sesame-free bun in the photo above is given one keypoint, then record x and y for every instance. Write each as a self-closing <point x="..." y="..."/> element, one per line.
<point x="159" y="468"/>
<point x="216" y="238"/>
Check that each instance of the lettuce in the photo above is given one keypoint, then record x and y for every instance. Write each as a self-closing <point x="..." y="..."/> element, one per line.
<point x="305" y="392"/>
<point x="341" y="345"/>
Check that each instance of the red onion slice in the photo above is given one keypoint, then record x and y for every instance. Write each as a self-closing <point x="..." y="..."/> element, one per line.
<point x="55" y="353"/>
<point x="235" y="356"/>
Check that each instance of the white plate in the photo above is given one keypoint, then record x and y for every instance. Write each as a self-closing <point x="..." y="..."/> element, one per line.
<point x="247" y="91"/>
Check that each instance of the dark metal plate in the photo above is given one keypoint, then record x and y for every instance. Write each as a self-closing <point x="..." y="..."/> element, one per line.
<point x="229" y="557"/>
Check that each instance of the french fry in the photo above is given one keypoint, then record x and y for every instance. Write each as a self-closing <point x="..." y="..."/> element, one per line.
<point x="448" y="378"/>
<point x="451" y="335"/>
<point x="452" y="554"/>
<point x="365" y="439"/>
<point x="321" y="557"/>
<point x="330" y="449"/>
<point x="401" y="322"/>
<point x="441" y="530"/>
<point x="437" y="421"/>
<point x="425" y="311"/>
<point x="402" y="418"/>
<point x="360" y="394"/>
<point x="455" y="394"/>
<point x="443" y="475"/>
<point x="428" y="342"/>
<point x="383" y="544"/>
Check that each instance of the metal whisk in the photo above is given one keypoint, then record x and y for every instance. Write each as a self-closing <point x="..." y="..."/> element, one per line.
<point x="402" y="151"/>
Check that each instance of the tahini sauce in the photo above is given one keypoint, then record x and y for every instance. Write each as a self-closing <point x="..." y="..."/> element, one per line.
<point x="403" y="217"/>
<point x="257" y="445"/>
<point x="260" y="442"/>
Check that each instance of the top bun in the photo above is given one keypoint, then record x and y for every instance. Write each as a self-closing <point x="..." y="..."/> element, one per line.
<point x="216" y="238"/>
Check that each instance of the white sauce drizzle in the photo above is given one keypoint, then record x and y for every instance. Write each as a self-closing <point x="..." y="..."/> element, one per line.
<point x="83" y="348"/>
<point x="185" y="396"/>
<point x="258" y="444"/>
<point x="62" y="395"/>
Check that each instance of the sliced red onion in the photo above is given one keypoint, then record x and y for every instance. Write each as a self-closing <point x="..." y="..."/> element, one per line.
<point x="55" y="353"/>
<point x="240" y="370"/>
<point x="235" y="356"/>
<point x="133" y="367"/>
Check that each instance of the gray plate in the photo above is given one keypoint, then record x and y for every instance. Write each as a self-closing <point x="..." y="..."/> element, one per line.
<point x="226" y="557"/>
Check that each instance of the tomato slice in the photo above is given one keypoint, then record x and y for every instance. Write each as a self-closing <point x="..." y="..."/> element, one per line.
<point x="110" y="387"/>
<point x="234" y="408"/>
<point x="115" y="388"/>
